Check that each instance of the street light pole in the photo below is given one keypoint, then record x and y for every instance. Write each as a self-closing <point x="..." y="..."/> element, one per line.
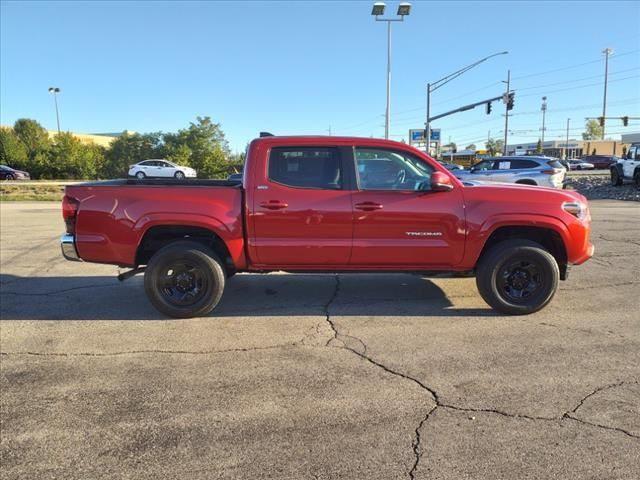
<point x="404" y="9"/>
<point x="607" y="52"/>
<point x="55" y="91"/>
<point x="432" y="87"/>
<point x="544" y="112"/>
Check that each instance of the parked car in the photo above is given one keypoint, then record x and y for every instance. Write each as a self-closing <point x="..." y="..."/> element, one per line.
<point x="329" y="204"/>
<point x="543" y="171"/>
<point x="601" y="161"/>
<point x="627" y="169"/>
<point x="578" y="164"/>
<point x="160" y="168"/>
<point x="8" y="173"/>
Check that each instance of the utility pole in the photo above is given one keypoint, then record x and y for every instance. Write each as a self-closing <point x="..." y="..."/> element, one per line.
<point x="566" y="145"/>
<point x="506" y="114"/>
<point x="607" y="52"/>
<point x="544" y="113"/>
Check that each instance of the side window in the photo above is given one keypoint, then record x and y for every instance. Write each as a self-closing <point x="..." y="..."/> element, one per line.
<point x="382" y="169"/>
<point x="306" y="167"/>
<point x="523" y="164"/>
<point x="484" y="165"/>
<point x="636" y="155"/>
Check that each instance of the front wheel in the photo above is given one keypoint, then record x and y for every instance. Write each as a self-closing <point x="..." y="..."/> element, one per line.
<point x="179" y="175"/>
<point x="636" y="179"/>
<point x="184" y="279"/>
<point x="616" y="180"/>
<point x="517" y="277"/>
<point x="140" y="175"/>
<point x="9" y="177"/>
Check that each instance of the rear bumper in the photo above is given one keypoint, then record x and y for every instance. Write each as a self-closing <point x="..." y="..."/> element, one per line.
<point x="68" y="246"/>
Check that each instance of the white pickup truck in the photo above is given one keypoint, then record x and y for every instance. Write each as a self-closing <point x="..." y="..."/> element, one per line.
<point x="627" y="168"/>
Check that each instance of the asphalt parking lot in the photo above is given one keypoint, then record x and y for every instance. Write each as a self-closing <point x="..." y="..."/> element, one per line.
<point x="316" y="376"/>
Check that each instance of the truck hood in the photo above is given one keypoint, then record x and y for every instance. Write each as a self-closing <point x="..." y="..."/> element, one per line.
<point x="518" y="194"/>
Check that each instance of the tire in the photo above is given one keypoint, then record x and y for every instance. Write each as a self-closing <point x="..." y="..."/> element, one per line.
<point x="140" y="175"/>
<point x="179" y="175"/>
<point x="616" y="180"/>
<point x="636" y="178"/>
<point x="9" y="177"/>
<point x="184" y="279"/>
<point x="507" y="274"/>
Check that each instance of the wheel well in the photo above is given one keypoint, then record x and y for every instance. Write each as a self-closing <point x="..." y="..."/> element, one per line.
<point x="526" y="182"/>
<point x="549" y="239"/>
<point x="157" y="237"/>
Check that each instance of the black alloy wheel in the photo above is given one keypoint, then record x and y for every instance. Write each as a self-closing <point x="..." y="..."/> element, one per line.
<point x="517" y="276"/>
<point x="184" y="279"/>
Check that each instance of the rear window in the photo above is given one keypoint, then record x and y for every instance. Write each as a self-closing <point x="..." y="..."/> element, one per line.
<point x="555" y="164"/>
<point x="306" y="167"/>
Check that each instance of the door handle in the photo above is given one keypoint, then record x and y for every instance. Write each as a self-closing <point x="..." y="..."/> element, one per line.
<point x="368" y="206"/>
<point x="274" y="205"/>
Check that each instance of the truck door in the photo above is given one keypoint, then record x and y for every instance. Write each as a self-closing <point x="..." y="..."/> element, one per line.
<point x="302" y="213"/>
<point x="398" y="222"/>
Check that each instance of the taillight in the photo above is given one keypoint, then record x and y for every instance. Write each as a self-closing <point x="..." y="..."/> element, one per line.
<point x="69" y="212"/>
<point x="553" y="171"/>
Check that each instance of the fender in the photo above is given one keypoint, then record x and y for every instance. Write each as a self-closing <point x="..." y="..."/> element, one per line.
<point x="231" y="235"/>
<point x="477" y="235"/>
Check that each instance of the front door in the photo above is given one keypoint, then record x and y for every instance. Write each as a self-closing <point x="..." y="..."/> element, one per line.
<point x="302" y="212"/>
<point x="398" y="221"/>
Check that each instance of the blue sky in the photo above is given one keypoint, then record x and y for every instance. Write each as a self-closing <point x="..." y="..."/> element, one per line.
<point x="305" y="67"/>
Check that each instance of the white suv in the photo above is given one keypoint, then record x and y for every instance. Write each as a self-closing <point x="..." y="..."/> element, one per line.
<point x="160" y="168"/>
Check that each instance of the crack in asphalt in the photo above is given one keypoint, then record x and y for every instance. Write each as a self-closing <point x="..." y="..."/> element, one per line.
<point x="417" y="441"/>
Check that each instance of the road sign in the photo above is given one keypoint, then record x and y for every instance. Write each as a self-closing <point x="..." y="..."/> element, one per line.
<point x="416" y="135"/>
<point x="435" y="134"/>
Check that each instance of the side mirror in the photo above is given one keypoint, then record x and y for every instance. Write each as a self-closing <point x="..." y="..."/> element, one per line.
<point x="441" y="182"/>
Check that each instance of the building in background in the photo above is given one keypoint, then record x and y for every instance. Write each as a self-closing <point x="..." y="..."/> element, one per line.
<point x="102" y="139"/>
<point x="574" y="148"/>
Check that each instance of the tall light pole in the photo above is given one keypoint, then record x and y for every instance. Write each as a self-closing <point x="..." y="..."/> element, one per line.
<point x="544" y="113"/>
<point x="432" y="87"/>
<point x="566" y="145"/>
<point x="56" y="91"/>
<point x="607" y="52"/>
<point x="404" y="9"/>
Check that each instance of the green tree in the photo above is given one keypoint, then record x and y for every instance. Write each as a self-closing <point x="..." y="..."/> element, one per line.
<point x="471" y="147"/>
<point x="592" y="130"/>
<point x="33" y="136"/>
<point x="130" y="148"/>
<point x="208" y="146"/>
<point x="12" y="150"/>
<point x="539" y="148"/>
<point x="494" y="146"/>
<point x="69" y="158"/>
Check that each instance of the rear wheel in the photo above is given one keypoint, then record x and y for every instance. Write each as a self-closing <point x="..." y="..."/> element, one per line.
<point x="184" y="279"/>
<point x="616" y="179"/>
<point x="140" y="175"/>
<point x="636" y="179"/>
<point x="517" y="277"/>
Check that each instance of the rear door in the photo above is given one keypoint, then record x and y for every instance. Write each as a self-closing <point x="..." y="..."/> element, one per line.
<point x="398" y="222"/>
<point x="302" y="214"/>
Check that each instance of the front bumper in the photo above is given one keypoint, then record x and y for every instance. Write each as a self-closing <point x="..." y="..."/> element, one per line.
<point x="68" y="246"/>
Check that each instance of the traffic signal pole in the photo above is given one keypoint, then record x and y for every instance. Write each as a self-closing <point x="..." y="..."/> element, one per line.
<point x="506" y="114"/>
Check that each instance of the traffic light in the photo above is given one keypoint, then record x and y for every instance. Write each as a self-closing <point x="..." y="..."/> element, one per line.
<point x="488" y="108"/>
<point x="625" y="121"/>
<point x="601" y="121"/>
<point x="510" y="100"/>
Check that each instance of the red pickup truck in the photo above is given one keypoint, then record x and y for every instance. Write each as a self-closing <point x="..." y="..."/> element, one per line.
<point x="329" y="204"/>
